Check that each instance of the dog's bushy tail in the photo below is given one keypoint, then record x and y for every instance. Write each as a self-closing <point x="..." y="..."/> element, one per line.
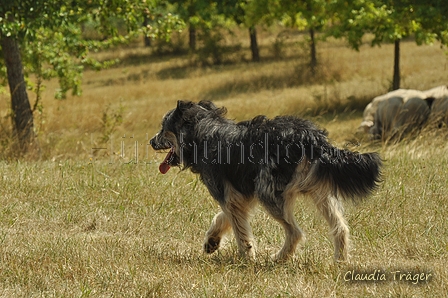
<point x="350" y="175"/>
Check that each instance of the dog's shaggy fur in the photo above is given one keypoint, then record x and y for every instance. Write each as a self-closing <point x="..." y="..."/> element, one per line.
<point x="270" y="161"/>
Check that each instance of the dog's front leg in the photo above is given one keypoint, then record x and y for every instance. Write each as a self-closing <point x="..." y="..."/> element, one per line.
<point x="222" y="223"/>
<point x="238" y="210"/>
<point x="219" y="227"/>
<point x="243" y="233"/>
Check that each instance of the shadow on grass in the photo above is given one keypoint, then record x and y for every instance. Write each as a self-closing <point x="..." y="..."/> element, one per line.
<point x="147" y="57"/>
<point x="192" y="64"/>
<point x="298" y="75"/>
<point x="229" y="259"/>
<point x="175" y="72"/>
<point x="246" y="85"/>
<point x="345" y="108"/>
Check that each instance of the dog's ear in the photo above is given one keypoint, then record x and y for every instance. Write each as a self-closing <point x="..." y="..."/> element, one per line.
<point x="208" y="105"/>
<point x="183" y="105"/>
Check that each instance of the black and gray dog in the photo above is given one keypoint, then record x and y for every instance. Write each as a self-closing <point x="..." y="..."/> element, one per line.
<point x="270" y="161"/>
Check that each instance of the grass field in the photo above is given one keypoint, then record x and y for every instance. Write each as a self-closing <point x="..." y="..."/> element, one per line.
<point x="94" y="218"/>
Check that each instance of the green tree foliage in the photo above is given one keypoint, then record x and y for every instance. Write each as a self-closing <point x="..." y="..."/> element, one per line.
<point x="45" y="38"/>
<point x="310" y="15"/>
<point x="197" y="14"/>
<point x="390" y="21"/>
<point x="207" y="24"/>
<point x="236" y="10"/>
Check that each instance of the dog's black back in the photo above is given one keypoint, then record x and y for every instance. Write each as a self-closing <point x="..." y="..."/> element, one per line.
<point x="221" y="149"/>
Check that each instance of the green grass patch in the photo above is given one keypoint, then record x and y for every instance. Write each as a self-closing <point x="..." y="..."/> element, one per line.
<point x="95" y="228"/>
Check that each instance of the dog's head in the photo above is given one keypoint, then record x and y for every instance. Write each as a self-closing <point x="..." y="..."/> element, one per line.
<point x="176" y="125"/>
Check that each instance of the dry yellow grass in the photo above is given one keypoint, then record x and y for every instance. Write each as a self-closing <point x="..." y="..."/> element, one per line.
<point x="93" y="223"/>
<point x="148" y="89"/>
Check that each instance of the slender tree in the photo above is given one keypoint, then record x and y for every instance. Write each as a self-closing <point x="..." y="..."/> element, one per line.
<point x="396" y="78"/>
<point x="315" y="14"/>
<point x="236" y="11"/>
<point x="194" y="13"/>
<point x="254" y="44"/>
<point x="309" y="15"/>
<point x="45" y="38"/>
<point x="22" y="114"/>
<point x="390" y="21"/>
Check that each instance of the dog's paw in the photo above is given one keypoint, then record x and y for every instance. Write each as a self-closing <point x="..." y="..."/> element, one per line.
<point x="280" y="257"/>
<point x="211" y="245"/>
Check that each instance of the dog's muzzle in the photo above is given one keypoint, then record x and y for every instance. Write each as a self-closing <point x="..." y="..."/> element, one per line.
<point x="157" y="144"/>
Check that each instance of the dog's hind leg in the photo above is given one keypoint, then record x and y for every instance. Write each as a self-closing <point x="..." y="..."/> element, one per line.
<point x="282" y="209"/>
<point x="332" y="210"/>
<point x="237" y="209"/>
<point x="220" y="226"/>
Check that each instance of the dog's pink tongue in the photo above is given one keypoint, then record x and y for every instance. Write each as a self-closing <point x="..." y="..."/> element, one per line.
<point x="164" y="166"/>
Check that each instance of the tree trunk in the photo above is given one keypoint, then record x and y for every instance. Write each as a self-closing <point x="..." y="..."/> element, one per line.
<point x="396" y="78"/>
<point x="254" y="44"/>
<point x="22" y="115"/>
<point x="313" y="61"/>
<point x="147" y="39"/>
<point x="192" y="38"/>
